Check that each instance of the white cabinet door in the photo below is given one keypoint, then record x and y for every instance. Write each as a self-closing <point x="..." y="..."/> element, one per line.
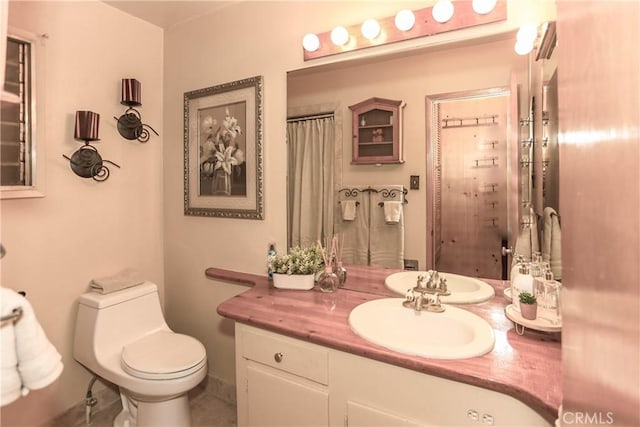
<point x="360" y="415"/>
<point x="276" y="399"/>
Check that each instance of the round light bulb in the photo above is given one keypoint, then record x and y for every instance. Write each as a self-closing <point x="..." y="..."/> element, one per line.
<point x="483" y="6"/>
<point x="527" y="32"/>
<point x="405" y="19"/>
<point x="339" y="36"/>
<point x="370" y="29"/>
<point x="310" y="42"/>
<point x="442" y="11"/>
<point x="523" y="47"/>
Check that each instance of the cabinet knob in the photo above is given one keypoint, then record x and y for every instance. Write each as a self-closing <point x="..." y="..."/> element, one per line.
<point x="278" y="357"/>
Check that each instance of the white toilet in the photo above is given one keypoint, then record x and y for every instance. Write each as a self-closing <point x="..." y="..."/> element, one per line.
<point x="122" y="337"/>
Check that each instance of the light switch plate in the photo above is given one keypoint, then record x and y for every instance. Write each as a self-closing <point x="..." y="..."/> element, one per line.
<point x="414" y="182"/>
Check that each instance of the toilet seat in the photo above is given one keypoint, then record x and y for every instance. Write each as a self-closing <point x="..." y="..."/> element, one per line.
<point x="163" y="355"/>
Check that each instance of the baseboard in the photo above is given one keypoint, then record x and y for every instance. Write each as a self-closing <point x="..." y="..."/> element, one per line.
<point x="218" y="388"/>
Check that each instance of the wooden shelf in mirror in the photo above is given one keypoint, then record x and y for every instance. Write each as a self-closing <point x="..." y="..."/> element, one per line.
<point x="377" y="131"/>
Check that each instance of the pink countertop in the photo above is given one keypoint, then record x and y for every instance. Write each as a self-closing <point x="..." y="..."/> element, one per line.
<point x="526" y="367"/>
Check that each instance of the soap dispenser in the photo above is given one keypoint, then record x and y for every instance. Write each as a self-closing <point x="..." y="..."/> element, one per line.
<point x="523" y="282"/>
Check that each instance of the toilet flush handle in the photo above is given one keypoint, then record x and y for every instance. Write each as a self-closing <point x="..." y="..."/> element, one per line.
<point x="278" y="357"/>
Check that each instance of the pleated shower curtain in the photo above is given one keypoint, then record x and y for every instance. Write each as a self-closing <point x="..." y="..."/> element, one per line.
<point x="310" y="201"/>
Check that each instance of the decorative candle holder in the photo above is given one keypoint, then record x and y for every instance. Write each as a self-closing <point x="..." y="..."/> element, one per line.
<point x="130" y="124"/>
<point x="86" y="162"/>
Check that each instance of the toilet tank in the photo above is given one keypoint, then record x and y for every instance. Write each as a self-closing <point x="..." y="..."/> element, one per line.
<point x="107" y="322"/>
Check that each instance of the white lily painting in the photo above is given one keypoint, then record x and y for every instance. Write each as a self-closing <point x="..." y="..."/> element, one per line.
<point x="222" y="147"/>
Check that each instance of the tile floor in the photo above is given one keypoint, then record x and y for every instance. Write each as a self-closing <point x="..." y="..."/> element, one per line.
<point x="206" y="411"/>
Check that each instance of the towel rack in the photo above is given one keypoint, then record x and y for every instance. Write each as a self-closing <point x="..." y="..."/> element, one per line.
<point x="14" y="316"/>
<point x="391" y="194"/>
<point x="353" y="192"/>
<point x="386" y="193"/>
<point x="16" y="313"/>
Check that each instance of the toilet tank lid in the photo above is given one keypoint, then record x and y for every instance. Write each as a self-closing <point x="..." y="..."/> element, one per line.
<point x="99" y="301"/>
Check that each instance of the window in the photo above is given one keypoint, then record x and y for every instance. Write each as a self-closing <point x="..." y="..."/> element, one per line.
<point x="19" y="175"/>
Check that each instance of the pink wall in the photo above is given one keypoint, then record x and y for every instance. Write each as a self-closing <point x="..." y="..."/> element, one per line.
<point x="599" y="112"/>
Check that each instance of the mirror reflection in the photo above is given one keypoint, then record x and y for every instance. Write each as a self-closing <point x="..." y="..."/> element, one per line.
<point x="451" y="82"/>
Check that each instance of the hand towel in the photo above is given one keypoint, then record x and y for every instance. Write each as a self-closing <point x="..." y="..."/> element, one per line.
<point x="121" y="280"/>
<point x="551" y="246"/>
<point x="392" y="211"/>
<point x="29" y="360"/>
<point x="356" y="232"/>
<point x="348" y="210"/>
<point x="386" y="241"/>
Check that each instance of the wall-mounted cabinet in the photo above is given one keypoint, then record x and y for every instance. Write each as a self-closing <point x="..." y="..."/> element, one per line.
<point x="377" y="131"/>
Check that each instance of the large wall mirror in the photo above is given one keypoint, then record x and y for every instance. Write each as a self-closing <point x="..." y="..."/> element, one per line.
<point x="21" y="172"/>
<point x="326" y="92"/>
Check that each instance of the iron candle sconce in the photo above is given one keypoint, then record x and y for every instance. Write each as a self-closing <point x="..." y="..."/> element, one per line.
<point x="86" y="162"/>
<point x="130" y="124"/>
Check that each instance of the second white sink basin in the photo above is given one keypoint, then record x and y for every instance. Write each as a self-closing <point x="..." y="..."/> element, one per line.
<point x="453" y="334"/>
<point x="464" y="290"/>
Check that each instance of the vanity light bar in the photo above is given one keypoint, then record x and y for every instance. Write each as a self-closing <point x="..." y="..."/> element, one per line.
<point x="425" y="25"/>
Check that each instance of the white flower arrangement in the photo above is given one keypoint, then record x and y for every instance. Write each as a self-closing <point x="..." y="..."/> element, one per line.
<point x="298" y="261"/>
<point x="219" y="151"/>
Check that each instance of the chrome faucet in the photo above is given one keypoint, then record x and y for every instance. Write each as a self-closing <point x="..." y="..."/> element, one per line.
<point x="431" y="285"/>
<point x="417" y="297"/>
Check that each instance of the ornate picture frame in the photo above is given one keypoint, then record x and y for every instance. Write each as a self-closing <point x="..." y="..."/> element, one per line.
<point x="223" y="150"/>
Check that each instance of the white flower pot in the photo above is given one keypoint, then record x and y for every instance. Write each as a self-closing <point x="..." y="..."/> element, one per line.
<point x="293" y="281"/>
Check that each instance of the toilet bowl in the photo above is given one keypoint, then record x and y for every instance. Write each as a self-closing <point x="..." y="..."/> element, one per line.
<point x="122" y="337"/>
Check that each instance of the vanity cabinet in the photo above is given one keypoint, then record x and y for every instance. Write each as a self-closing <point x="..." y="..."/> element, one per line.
<point x="377" y="131"/>
<point x="280" y="381"/>
<point x="283" y="381"/>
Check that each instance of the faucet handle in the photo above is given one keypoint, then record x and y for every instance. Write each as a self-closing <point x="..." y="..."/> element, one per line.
<point x="442" y="286"/>
<point x="435" y="305"/>
<point x="435" y="300"/>
<point x="409" y="296"/>
<point x="419" y="280"/>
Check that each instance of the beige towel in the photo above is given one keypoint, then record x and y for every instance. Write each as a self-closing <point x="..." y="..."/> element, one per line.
<point x="348" y="209"/>
<point x="551" y="241"/>
<point x="386" y="245"/>
<point x="392" y="211"/>
<point x="356" y="233"/>
<point x="121" y="280"/>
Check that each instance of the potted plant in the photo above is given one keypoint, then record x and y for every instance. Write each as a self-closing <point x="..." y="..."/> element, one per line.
<point x="297" y="269"/>
<point x="528" y="305"/>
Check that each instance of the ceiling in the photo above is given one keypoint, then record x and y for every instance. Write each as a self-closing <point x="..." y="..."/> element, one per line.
<point x="166" y="14"/>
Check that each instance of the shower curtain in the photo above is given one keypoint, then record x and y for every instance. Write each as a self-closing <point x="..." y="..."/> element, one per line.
<point x="310" y="201"/>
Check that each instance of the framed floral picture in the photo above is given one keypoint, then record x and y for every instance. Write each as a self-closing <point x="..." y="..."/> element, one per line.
<point x="223" y="175"/>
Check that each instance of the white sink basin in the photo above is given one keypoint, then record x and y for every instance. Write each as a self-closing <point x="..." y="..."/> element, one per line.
<point x="464" y="290"/>
<point x="453" y="334"/>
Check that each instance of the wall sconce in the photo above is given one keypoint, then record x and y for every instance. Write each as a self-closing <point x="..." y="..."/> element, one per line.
<point x="130" y="124"/>
<point x="86" y="162"/>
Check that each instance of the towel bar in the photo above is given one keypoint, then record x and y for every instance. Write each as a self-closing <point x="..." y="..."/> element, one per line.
<point x="14" y="316"/>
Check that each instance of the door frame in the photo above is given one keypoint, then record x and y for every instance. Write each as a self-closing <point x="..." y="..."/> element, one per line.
<point x="513" y="209"/>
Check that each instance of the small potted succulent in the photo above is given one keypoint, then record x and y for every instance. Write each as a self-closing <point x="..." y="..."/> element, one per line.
<point x="528" y="305"/>
<point x="297" y="269"/>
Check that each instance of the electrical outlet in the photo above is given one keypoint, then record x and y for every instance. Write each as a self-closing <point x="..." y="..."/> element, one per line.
<point x="473" y="415"/>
